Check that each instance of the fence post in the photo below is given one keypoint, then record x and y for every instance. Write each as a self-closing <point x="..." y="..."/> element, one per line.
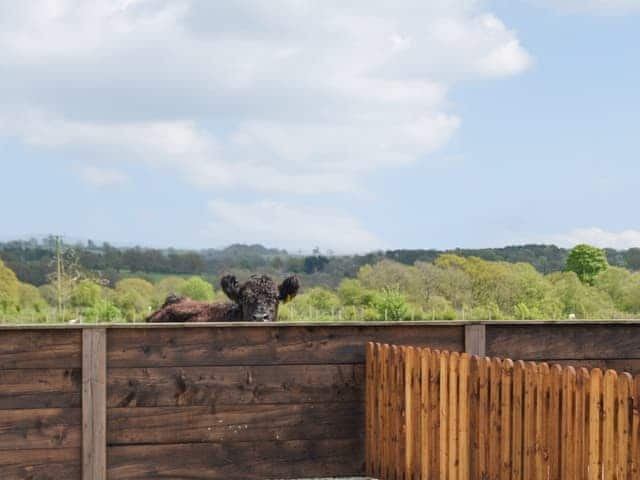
<point x="94" y="406"/>
<point x="475" y="340"/>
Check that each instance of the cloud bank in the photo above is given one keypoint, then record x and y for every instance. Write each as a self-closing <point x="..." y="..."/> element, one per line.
<point x="302" y="97"/>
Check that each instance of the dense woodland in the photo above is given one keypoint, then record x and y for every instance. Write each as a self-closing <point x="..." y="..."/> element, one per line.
<point x="47" y="281"/>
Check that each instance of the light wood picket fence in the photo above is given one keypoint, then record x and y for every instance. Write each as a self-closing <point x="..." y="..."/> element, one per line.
<point x="443" y="415"/>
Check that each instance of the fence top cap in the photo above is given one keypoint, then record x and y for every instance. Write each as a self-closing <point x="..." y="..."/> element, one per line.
<point x="449" y="323"/>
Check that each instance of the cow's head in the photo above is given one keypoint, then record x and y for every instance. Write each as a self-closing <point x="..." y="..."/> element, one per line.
<point x="259" y="297"/>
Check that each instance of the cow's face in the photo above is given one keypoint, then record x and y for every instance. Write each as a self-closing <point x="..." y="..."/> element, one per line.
<point x="259" y="297"/>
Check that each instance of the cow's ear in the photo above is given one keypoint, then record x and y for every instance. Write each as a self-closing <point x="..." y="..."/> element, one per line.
<point x="231" y="287"/>
<point x="288" y="288"/>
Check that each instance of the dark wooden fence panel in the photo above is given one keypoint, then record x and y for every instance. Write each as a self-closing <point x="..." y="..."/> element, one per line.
<point x="40" y="403"/>
<point x="272" y="345"/>
<point x="246" y="401"/>
<point x="229" y="385"/>
<point x="48" y="464"/>
<point x="40" y="348"/>
<point x="292" y="395"/>
<point x="564" y="341"/>
<point x="237" y="461"/>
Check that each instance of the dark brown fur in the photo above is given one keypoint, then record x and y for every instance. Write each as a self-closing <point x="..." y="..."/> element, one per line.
<point x="256" y="300"/>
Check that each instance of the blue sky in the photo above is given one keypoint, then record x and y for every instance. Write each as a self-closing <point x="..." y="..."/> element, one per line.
<point x="455" y="123"/>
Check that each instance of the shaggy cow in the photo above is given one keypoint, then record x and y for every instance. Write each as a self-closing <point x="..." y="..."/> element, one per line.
<point x="254" y="301"/>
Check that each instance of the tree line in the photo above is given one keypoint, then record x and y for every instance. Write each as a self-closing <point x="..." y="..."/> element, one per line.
<point x="450" y="286"/>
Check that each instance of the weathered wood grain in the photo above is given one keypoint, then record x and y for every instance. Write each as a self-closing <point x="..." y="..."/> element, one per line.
<point x="40" y="349"/>
<point x="40" y="388"/>
<point x="40" y="428"/>
<point x="475" y="340"/>
<point x="564" y="342"/>
<point x="48" y="464"/>
<point x="267" y="346"/>
<point x="237" y="461"/>
<point x="174" y="386"/>
<point x="94" y="406"/>
<point x="244" y="423"/>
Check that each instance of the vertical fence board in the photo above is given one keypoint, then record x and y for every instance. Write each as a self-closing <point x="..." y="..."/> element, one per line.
<point x="385" y="360"/>
<point x="568" y="424"/>
<point x="554" y="421"/>
<point x="416" y="382"/>
<point x="94" y="404"/>
<point x="411" y="435"/>
<point x="624" y="417"/>
<point x="529" y="446"/>
<point x="474" y="392"/>
<point x="444" y="415"/>
<point x="425" y="413"/>
<point x="580" y="423"/>
<point x="595" y="418"/>
<point x="494" y="418"/>
<point x="434" y="428"/>
<point x="542" y="458"/>
<point x="484" y="367"/>
<point x="463" y="425"/>
<point x="505" y="419"/>
<point x="609" y="424"/>
<point x="517" y="413"/>
<point x="454" y="460"/>
<point x="397" y="412"/>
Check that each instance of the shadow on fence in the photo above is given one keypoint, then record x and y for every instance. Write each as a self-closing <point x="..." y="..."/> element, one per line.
<point x="435" y="414"/>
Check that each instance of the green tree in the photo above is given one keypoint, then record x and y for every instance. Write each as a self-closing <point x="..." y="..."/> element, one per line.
<point x="352" y="293"/>
<point x="579" y="298"/>
<point x="197" y="289"/>
<point x="29" y="298"/>
<point x="103" y="311"/>
<point x="9" y="288"/>
<point x="85" y="294"/>
<point x="586" y="262"/>
<point x="391" y="304"/>
<point x="133" y="297"/>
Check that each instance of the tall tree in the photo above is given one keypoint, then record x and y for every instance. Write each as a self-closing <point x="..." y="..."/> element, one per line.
<point x="587" y="262"/>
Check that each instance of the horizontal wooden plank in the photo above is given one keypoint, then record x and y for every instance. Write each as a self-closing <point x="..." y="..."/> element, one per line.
<point x="244" y="423"/>
<point x="266" y="346"/>
<point x="40" y="428"/>
<point x="40" y="349"/>
<point x="50" y="464"/>
<point x="564" y="342"/>
<point x="175" y="386"/>
<point x="238" y="461"/>
<point x="40" y="388"/>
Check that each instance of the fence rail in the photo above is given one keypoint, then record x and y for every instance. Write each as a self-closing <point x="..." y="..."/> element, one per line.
<point x="441" y="415"/>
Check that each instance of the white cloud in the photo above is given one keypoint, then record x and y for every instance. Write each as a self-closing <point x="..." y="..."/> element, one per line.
<point x="292" y="96"/>
<point x="289" y="227"/>
<point x="597" y="7"/>
<point x="597" y="237"/>
<point x="102" y="177"/>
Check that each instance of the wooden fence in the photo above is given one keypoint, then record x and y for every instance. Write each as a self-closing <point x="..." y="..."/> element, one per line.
<point x="438" y="415"/>
<point x="231" y="401"/>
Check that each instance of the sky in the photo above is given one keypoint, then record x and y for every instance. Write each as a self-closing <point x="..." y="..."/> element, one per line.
<point x="350" y="126"/>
